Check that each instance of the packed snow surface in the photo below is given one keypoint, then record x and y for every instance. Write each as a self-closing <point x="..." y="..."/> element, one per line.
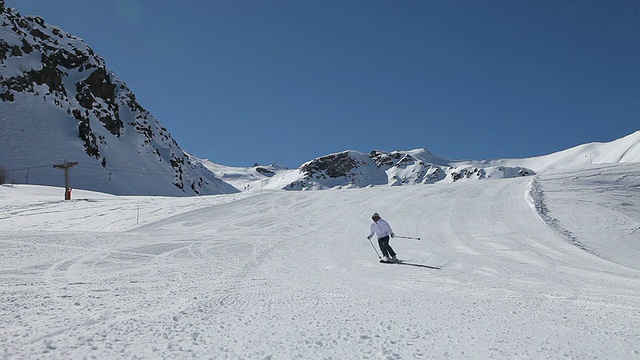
<point x="531" y="267"/>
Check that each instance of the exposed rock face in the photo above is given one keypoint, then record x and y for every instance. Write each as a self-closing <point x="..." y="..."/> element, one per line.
<point x="331" y="166"/>
<point x="383" y="159"/>
<point x="264" y="171"/>
<point x="40" y="63"/>
<point x="346" y="169"/>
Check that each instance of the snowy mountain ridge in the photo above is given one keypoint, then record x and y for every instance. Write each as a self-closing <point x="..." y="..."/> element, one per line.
<point x="353" y="169"/>
<point x="623" y="150"/>
<point x="60" y="102"/>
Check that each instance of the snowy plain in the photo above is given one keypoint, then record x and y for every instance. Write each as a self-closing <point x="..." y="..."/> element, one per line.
<point x="531" y="267"/>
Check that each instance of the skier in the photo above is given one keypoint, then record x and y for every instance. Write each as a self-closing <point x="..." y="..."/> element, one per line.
<point x="382" y="229"/>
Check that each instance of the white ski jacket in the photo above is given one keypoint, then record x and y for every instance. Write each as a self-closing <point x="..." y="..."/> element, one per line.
<point x="381" y="229"/>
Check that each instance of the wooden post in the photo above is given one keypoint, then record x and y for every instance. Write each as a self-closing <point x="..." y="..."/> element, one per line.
<point x="66" y="166"/>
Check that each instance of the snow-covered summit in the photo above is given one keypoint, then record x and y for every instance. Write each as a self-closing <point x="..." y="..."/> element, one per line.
<point x="354" y="169"/>
<point x="60" y="102"/>
<point x="623" y="150"/>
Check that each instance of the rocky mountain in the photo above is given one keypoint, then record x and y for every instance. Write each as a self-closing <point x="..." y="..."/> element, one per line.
<point x="60" y="104"/>
<point x="352" y="169"/>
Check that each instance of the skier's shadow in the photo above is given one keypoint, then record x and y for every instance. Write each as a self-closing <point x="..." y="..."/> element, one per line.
<point x="419" y="265"/>
<point x="412" y="264"/>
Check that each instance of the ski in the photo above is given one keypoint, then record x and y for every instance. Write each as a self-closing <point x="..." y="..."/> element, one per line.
<point x="390" y="261"/>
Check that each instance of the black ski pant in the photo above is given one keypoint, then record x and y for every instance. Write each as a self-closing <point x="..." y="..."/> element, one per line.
<point x="385" y="248"/>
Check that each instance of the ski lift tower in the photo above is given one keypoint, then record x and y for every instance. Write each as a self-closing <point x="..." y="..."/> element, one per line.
<point x="66" y="166"/>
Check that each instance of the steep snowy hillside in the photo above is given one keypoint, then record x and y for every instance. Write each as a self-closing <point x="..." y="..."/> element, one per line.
<point x="59" y="102"/>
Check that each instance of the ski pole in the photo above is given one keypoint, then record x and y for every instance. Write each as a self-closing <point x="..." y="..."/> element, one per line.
<point x="374" y="248"/>
<point x="408" y="237"/>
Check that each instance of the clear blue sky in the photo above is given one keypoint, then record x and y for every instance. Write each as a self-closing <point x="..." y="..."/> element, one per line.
<point x="241" y="82"/>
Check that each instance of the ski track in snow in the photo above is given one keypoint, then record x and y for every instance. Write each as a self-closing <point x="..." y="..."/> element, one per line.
<point x="285" y="275"/>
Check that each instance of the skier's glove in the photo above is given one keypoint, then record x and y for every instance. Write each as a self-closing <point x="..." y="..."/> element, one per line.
<point x="393" y="235"/>
<point x="369" y="237"/>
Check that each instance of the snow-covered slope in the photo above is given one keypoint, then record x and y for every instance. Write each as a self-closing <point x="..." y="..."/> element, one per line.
<point x="623" y="150"/>
<point x="284" y="275"/>
<point x="596" y="207"/>
<point x="59" y="102"/>
<point x="246" y="178"/>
